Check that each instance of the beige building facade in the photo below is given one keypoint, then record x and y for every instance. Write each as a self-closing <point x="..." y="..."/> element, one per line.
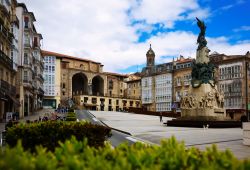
<point x="182" y="70"/>
<point x="134" y="86"/>
<point x="85" y="82"/>
<point x="232" y="75"/>
<point x="30" y="63"/>
<point x="8" y="101"/>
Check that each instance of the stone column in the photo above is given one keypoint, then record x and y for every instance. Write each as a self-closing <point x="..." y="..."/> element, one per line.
<point x="90" y="89"/>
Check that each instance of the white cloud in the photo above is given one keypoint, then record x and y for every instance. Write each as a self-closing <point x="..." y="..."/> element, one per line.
<point x="242" y="28"/>
<point x="101" y="30"/>
<point x="167" y="12"/>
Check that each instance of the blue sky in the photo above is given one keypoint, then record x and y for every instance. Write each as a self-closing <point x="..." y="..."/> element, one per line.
<point x="118" y="33"/>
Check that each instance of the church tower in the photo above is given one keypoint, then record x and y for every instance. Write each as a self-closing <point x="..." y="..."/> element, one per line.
<point x="150" y="57"/>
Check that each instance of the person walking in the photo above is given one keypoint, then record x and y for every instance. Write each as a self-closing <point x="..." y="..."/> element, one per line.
<point x="160" y="117"/>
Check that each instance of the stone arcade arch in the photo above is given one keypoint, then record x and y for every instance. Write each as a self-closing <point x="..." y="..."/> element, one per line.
<point x="98" y="86"/>
<point x="79" y="84"/>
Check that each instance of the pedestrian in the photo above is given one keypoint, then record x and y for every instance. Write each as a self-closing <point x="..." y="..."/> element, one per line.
<point x="160" y="117"/>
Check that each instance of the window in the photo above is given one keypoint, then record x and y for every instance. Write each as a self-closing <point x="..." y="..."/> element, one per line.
<point x="63" y="85"/>
<point x="85" y="99"/>
<point x="52" y="79"/>
<point x="25" y="75"/>
<point x="35" y="42"/>
<point x="26" y="22"/>
<point x="110" y="84"/>
<point x="25" y="58"/>
<point x="26" y="39"/>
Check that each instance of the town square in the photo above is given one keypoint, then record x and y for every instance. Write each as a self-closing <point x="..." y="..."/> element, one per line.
<point x="124" y="84"/>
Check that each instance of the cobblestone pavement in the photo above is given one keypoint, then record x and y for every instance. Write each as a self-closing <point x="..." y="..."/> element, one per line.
<point x="151" y="129"/>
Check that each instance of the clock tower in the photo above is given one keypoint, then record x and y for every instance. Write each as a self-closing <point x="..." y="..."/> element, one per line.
<point x="150" y="57"/>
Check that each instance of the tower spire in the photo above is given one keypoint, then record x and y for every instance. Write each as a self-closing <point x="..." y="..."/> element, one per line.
<point x="150" y="57"/>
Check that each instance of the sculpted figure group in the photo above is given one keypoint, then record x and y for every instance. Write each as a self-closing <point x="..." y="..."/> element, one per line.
<point x="209" y="100"/>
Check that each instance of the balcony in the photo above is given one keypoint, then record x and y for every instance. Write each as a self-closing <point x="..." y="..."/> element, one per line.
<point x="5" y="33"/>
<point x="4" y="86"/>
<point x="7" y="88"/>
<point x="27" y="44"/>
<point x="6" y="60"/>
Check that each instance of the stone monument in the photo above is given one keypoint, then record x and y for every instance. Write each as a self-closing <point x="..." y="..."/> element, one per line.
<point x="204" y="102"/>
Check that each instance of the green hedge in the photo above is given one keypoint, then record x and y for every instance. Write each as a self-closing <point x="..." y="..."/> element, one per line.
<point x="75" y="154"/>
<point x="71" y="116"/>
<point x="49" y="133"/>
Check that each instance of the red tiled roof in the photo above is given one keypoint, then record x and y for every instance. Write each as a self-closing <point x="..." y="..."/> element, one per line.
<point x="116" y="74"/>
<point x="184" y="60"/>
<point x="49" y="53"/>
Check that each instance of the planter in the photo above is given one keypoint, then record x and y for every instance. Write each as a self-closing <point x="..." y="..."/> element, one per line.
<point x="246" y="133"/>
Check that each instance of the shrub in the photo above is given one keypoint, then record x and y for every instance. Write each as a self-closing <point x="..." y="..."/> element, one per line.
<point x="71" y="116"/>
<point x="74" y="154"/>
<point x="48" y="134"/>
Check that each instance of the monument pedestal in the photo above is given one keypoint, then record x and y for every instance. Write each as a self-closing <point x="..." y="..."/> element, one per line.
<point x="246" y="133"/>
<point x="203" y="103"/>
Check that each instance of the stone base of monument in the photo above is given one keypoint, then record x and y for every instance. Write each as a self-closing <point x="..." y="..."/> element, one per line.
<point x="246" y="133"/>
<point x="201" y="123"/>
<point x="203" y="106"/>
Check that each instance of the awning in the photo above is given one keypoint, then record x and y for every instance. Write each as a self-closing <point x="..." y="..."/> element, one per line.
<point x="15" y="101"/>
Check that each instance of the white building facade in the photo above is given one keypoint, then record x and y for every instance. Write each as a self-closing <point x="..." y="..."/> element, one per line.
<point x="52" y="83"/>
<point x="230" y="83"/>
<point x="163" y="92"/>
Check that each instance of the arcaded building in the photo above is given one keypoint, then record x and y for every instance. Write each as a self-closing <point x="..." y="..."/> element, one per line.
<point x="67" y="77"/>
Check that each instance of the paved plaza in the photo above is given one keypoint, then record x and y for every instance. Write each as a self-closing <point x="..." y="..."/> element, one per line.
<point x="151" y="129"/>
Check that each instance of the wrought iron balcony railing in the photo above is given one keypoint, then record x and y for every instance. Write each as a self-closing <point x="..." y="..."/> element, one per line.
<point x="7" y="61"/>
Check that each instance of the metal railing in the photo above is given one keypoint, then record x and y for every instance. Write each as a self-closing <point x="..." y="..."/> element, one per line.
<point x="6" y="60"/>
